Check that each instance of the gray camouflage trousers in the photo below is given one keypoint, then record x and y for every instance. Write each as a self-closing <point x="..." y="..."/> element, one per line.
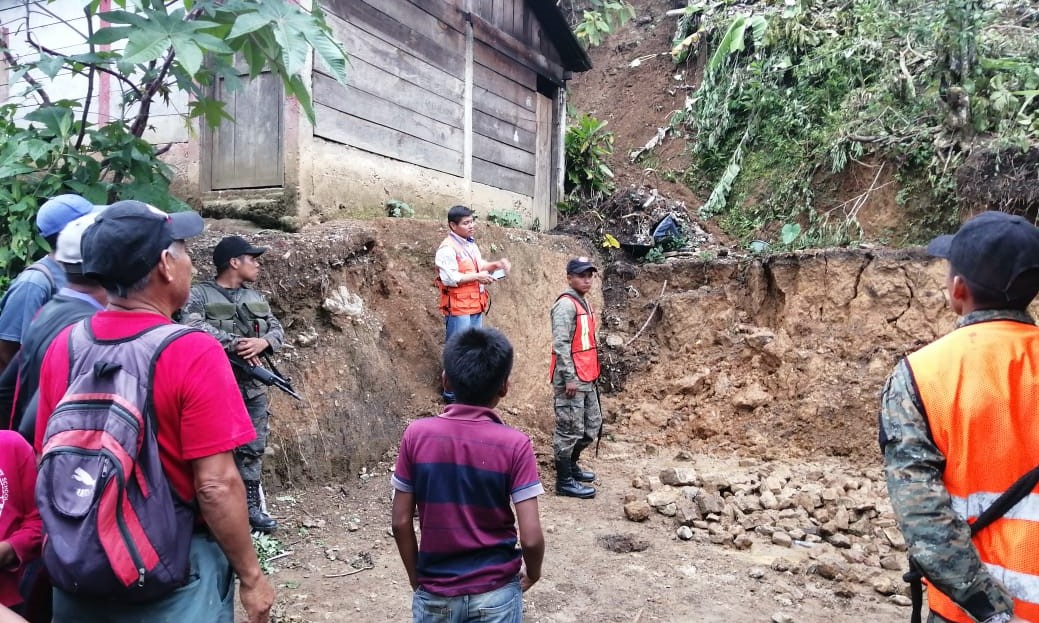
<point x="578" y="421"/>
<point x="249" y="457"/>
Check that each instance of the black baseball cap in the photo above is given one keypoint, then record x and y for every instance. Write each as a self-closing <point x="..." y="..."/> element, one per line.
<point x="126" y="241"/>
<point x="579" y="265"/>
<point x="234" y="246"/>
<point x="994" y="251"/>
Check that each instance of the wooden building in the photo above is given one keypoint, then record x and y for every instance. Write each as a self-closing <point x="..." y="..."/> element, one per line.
<point x="447" y="101"/>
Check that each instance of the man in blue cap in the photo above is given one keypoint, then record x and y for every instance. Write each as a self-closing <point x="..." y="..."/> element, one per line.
<point x="41" y="280"/>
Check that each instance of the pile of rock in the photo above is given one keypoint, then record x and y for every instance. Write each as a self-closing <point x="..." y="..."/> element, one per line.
<point x="839" y="525"/>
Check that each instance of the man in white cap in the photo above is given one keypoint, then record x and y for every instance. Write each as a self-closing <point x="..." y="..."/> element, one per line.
<point x="35" y="285"/>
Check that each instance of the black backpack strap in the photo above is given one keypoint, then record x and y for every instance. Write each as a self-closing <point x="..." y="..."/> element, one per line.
<point x="173" y="332"/>
<point x="1017" y="492"/>
<point x="1008" y="500"/>
<point x="42" y="268"/>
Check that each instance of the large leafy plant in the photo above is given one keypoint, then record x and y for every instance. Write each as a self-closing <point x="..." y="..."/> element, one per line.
<point x="151" y="49"/>
<point x="588" y="147"/>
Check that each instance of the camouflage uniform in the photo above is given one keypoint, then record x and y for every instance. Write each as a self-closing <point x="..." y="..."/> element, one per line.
<point x="578" y="419"/>
<point x="939" y="538"/>
<point x="243" y="312"/>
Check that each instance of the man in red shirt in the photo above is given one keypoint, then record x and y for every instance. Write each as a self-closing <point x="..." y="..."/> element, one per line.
<point x="138" y="254"/>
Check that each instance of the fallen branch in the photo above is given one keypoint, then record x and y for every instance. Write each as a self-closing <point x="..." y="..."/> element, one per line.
<point x="652" y="312"/>
<point x="343" y="575"/>
<point x="281" y="555"/>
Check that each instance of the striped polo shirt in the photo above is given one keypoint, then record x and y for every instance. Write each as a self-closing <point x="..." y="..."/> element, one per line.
<point x="464" y="467"/>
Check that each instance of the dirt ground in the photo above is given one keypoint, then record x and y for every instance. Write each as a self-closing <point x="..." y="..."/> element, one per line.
<point x="344" y="567"/>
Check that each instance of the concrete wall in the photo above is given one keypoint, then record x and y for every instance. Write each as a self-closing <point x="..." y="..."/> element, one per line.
<point x="338" y="181"/>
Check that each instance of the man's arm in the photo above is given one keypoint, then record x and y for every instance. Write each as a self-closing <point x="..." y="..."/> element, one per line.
<point x="275" y="335"/>
<point x="489" y="267"/>
<point x="221" y="498"/>
<point x="404" y="533"/>
<point x="8" y="350"/>
<point x="939" y="539"/>
<point x="532" y="541"/>
<point x="8" y="385"/>
<point x="564" y="316"/>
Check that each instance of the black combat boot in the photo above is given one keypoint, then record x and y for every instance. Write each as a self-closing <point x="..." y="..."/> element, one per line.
<point x="259" y="521"/>
<point x="579" y="474"/>
<point x="566" y="485"/>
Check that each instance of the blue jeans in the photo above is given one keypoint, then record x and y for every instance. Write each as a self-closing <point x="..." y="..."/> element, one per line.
<point x="504" y="605"/>
<point x="208" y="596"/>
<point x="457" y="324"/>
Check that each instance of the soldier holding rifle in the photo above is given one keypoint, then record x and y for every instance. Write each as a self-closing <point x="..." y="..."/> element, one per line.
<point x="241" y="319"/>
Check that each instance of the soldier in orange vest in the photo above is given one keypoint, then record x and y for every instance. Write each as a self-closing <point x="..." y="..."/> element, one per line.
<point x="463" y="275"/>
<point x="958" y="426"/>
<point x="574" y="370"/>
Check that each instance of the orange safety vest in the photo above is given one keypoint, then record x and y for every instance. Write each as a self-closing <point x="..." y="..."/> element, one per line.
<point x="464" y="299"/>
<point x="979" y="386"/>
<point x="582" y="344"/>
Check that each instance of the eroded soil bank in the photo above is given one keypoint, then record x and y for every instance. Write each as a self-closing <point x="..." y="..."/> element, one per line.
<point x="754" y="378"/>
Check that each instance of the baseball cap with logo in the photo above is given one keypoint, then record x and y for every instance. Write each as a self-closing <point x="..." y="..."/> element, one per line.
<point x="579" y="265"/>
<point x="994" y="251"/>
<point x="127" y="239"/>
<point x="57" y="212"/>
<point x="68" y="250"/>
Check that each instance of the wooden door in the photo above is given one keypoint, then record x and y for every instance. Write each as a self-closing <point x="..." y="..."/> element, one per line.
<point x="247" y="152"/>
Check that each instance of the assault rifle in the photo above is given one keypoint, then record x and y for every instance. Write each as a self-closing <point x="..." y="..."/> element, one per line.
<point x="265" y="376"/>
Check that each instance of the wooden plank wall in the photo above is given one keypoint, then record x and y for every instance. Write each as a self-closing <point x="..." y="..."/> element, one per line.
<point x="504" y="121"/>
<point x="514" y="18"/>
<point x="406" y="82"/>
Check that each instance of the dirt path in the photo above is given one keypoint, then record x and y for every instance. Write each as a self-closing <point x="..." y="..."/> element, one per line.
<point x="332" y="531"/>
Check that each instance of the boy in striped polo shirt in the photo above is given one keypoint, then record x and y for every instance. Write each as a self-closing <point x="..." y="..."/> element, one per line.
<point x="465" y="470"/>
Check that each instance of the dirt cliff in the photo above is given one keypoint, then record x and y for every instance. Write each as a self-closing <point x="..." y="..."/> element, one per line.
<point x="773" y="356"/>
<point x="761" y="373"/>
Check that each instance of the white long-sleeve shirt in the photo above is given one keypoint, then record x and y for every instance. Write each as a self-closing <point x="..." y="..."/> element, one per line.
<point x="447" y="262"/>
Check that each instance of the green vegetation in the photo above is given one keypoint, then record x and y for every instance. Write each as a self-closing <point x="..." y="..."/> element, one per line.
<point x="601" y="18"/>
<point x="588" y="177"/>
<point x="267" y="549"/>
<point x="505" y="218"/>
<point x="795" y="92"/>
<point x="160" y="48"/>
<point x="654" y="256"/>
<point x="399" y="209"/>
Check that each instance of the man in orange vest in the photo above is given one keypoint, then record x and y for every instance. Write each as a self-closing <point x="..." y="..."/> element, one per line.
<point x="462" y="276"/>
<point x="958" y="427"/>
<point x="574" y="370"/>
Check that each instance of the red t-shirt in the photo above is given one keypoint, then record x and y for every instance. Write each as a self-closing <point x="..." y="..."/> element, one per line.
<point x="20" y="523"/>
<point x="198" y="405"/>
